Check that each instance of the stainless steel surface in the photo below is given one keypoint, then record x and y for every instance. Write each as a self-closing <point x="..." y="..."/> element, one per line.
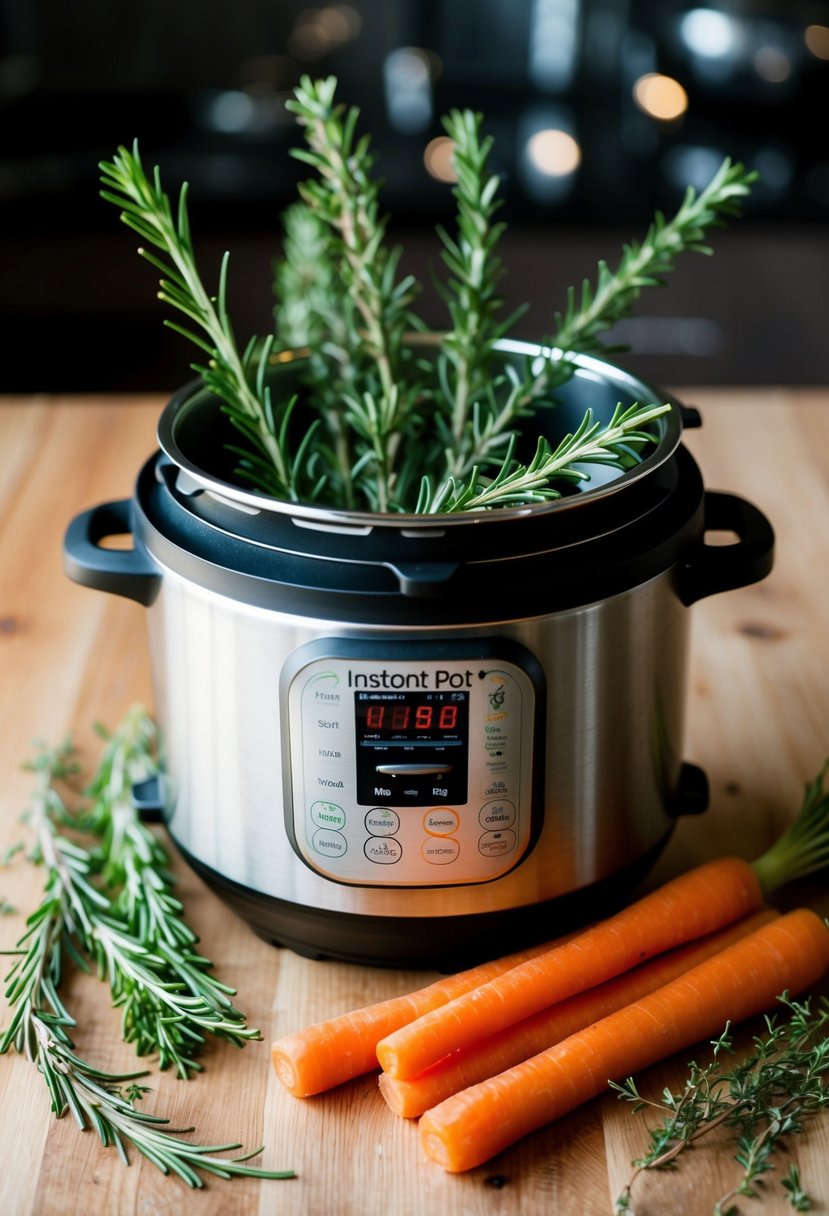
<point x="615" y="673"/>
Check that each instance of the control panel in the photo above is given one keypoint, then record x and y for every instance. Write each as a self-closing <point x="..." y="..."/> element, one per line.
<point x="412" y="764"/>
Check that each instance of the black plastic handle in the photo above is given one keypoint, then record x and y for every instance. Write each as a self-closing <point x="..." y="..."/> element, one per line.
<point x="709" y="569"/>
<point x="127" y="572"/>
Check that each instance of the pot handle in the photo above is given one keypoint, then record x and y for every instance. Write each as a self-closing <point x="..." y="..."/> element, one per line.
<point x="709" y="569"/>
<point x="127" y="572"/>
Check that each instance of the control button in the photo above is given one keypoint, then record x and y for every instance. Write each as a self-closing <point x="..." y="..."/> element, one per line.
<point x="383" y="850"/>
<point x="327" y="815"/>
<point x="329" y="844"/>
<point x="440" y="850"/>
<point x="497" y="814"/>
<point x="494" y="844"/>
<point x="382" y="821"/>
<point x="441" y="821"/>
<point x="496" y="787"/>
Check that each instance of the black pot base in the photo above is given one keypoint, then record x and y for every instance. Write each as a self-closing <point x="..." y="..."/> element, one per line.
<point x="433" y="942"/>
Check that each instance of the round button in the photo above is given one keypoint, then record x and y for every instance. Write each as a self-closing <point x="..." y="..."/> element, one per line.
<point x="497" y="814"/>
<point x="495" y="844"/>
<point x="382" y="821"/>
<point x="329" y="844"/>
<point x="383" y="850"/>
<point x="440" y="850"/>
<point x="327" y="815"/>
<point x="441" y="821"/>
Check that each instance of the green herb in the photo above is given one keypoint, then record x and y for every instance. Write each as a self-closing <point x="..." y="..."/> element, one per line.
<point x="763" y="1099"/>
<point x="238" y="379"/>
<point x="392" y="430"/>
<point x="140" y="944"/>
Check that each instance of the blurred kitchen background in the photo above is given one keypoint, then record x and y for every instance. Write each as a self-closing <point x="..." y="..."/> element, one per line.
<point x="602" y="111"/>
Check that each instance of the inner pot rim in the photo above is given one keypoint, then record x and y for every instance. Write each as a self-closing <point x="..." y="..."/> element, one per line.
<point x="194" y="395"/>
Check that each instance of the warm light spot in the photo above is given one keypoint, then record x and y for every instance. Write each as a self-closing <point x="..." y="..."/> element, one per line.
<point x="772" y="64"/>
<point x="437" y="158"/>
<point x="816" y="38"/>
<point x="660" y="96"/>
<point x="554" y="153"/>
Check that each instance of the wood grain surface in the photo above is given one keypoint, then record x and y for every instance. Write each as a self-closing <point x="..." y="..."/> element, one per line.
<point x="758" y="723"/>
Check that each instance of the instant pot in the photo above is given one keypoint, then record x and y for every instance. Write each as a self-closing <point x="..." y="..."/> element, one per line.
<point x="413" y="739"/>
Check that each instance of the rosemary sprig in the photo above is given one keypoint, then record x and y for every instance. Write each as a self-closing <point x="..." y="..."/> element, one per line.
<point x="237" y="379"/>
<point x="313" y="312"/>
<point x="767" y="1096"/>
<point x="463" y="367"/>
<point x="70" y="914"/>
<point x="517" y="484"/>
<point x="132" y="925"/>
<point x="645" y="264"/>
<point x="345" y="195"/>
<point x="97" y="1100"/>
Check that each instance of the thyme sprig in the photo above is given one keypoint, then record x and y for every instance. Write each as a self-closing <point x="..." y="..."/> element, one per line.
<point x="764" y="1098"/>
<point x="74" y="920"/>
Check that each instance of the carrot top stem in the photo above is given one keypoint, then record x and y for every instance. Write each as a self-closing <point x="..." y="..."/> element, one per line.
<point x="804" y="846"/>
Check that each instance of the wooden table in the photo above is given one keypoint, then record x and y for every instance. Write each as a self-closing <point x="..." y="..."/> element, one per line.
<point x="758" y="724"/>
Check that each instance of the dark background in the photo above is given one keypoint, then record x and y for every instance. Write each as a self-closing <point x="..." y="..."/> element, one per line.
<point x="202" y="85"/>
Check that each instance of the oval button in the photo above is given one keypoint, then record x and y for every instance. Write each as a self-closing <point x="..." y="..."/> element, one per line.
<point x="383" y="850"/>
<point x="327" y="815"/>
<point x="382" y="821"/>
<point x="495" y="844"/>
<point x="328" y="843"/>
<point x="440" y="850"/>
<point x="497" y="814"/>
<point x="441" y="821"/>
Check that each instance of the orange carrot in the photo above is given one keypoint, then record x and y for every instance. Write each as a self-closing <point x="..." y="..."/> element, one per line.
<point x="534" y="1034"/>
<point x="788" y="954"/>
<point x="340" y="1048"/>
<point x="698" y="902"/>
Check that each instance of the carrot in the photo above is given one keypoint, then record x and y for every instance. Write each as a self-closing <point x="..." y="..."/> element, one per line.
<point x="698" y="902"/>
<point x="327" y="1053"/>
<point x="534" y="1034"/>
<point x="788" y="954"/>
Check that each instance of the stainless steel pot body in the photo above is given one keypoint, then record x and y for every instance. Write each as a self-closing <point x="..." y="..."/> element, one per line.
<point x="615" y="674"/>
<point x="281" y="636"/>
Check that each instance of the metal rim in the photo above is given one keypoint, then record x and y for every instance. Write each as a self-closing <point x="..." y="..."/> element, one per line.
<point x="668" y="427"/>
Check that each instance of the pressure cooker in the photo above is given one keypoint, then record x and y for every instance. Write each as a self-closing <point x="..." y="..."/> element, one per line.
<point x="418" y="739"/>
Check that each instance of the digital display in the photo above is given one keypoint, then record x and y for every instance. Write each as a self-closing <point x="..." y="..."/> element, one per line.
<point x="412" y="747"/>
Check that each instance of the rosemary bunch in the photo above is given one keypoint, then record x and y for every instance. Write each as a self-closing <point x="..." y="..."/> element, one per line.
<point x="391" y="431"/>
<point x="130" y="923"/>
<point x="69" y="912"/>
<point x="764" y="1098"/>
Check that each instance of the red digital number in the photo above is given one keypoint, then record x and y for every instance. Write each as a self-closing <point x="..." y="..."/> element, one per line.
<point x="423" y="717"/>
<point x="375" y="716"/>
<point x="448" y="717"/>
<point x="400" y="716"/>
